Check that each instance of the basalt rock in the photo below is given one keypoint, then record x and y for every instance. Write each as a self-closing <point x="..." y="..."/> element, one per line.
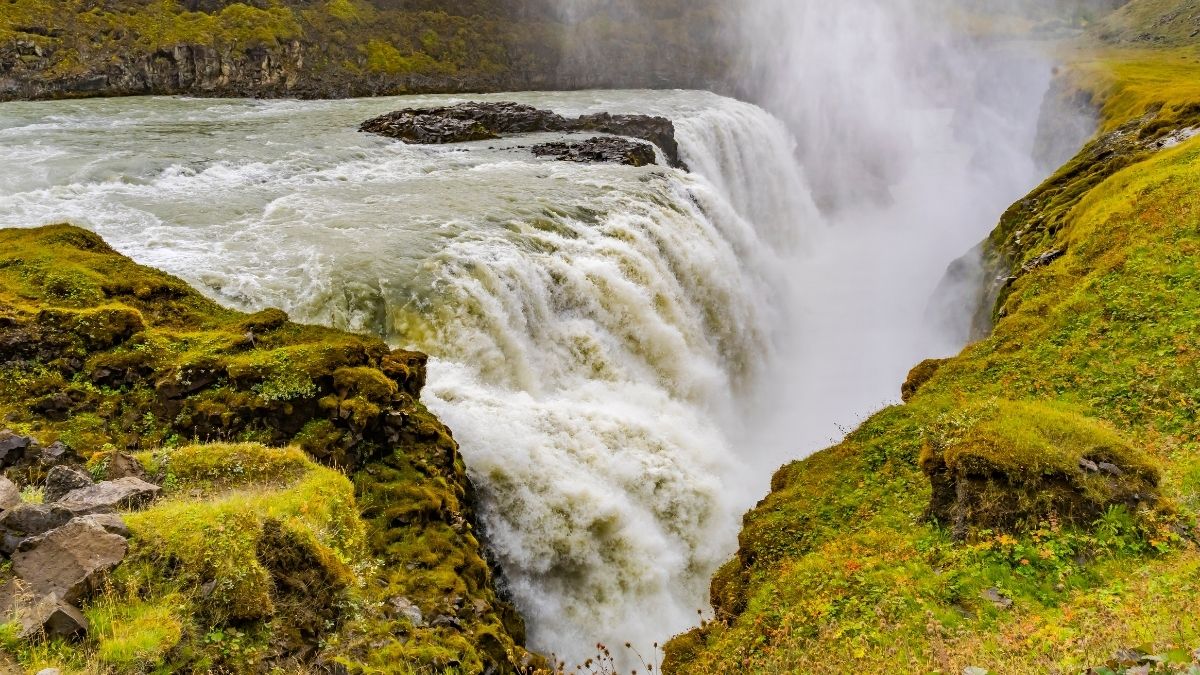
<point x="601" y="149"/>
<point x="483" y="121"/>
<point x="123" y="493"/>
<point x="64" y="479"/>
<point x="70" y="561"/>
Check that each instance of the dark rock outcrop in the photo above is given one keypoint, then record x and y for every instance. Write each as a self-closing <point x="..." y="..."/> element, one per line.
<point x="70" y="561"/>
<point x="601" y="149"/>
<point x="475" y="121"/>
<point x="64" y="479"/>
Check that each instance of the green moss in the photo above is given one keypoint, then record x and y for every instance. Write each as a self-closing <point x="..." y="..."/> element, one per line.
<point x="1093" y="356"/>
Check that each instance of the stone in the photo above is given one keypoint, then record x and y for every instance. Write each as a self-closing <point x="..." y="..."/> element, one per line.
<point x="62" y="480"/>
<point x="50" y="671"/>
<point x="57" y="453"/>
<point x="13" y="447"/>
<point x="52" y="618"/>
<point x="10" y="494"/>
<point x="475" y="121"/>
<point x="404" y="607"/>
<point x="1088" y="465"/>
<point x="994" y="596"/>
<point x="31" y="520"/>
<point x="1110" y="469"/>
<point x="599" y="150"/>
<point x="123" y="465"/>
<point x="112" y="523"/>
<point x="69" y="562"/>
<point x="123" y="493"/>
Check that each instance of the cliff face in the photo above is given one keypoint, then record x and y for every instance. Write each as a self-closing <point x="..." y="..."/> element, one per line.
<point x="340" y="48"/>
<point x="1032" y="506"/>
<point x="314" y="512"/>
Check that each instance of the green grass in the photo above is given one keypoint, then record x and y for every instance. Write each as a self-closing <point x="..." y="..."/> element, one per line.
<point x="841" y="568"/>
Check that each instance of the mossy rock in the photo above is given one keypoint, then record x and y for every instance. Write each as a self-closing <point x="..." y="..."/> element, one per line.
<point x="1009" y="465"/>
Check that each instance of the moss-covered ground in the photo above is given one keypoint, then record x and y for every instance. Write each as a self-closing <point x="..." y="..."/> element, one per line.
<point x="961" y="529"/>
<point x="315" y="514"/>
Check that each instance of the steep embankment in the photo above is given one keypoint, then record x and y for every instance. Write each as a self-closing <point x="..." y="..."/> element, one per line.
<point x="255" y="554"/>
<point x="1032" y="507"/>
<point x="339" y="48"/>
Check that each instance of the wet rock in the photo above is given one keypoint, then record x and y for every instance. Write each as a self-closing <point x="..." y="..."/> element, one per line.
<point x="13" y="447"/>
<point x="463" y="122"/>
<point x="123" y="493"/>
<point x="483" y="121"/>
<point x="995" y="597"/>
<point x="30" y="520"/>
<point x="64" y="479"/>
<point x="1044" y="259"/>
<point x="68" y="562"/>
<point x="599" y="150"/>
<point x="10" y="494"/>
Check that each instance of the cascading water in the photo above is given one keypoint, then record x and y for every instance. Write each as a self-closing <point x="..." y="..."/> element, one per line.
<point x="624" y="354"/>
<point x="594" y="328"/>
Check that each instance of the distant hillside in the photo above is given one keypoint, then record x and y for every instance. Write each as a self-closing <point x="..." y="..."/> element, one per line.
<point x="336" y="48"/>
<point x="1160" y="23"/>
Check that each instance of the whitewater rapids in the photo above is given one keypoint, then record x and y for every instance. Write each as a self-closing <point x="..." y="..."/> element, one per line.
<point x="594" y="328"/>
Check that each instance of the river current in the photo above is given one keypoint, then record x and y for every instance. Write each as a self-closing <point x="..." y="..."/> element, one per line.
<point x="623" y="353"/>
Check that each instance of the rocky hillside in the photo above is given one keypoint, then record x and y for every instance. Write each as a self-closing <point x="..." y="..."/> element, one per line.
<point x="192" y="489"/>
<point x="339" y="48"/>
<point x="1032" y="507"/>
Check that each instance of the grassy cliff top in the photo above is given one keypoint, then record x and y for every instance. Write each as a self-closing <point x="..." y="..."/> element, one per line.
<point x="1033" y="506"/>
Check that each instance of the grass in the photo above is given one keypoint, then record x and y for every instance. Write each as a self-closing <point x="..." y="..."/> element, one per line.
<point x="842" y="568"/>
<point x="305" y="485"/>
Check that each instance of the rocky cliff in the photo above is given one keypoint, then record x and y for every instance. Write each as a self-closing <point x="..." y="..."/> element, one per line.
<point x="314" y="516"/>
<point x="340" y="48"/>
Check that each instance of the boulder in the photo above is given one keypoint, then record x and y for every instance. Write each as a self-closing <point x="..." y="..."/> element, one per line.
<point x="10" y="494"/>
<point x="64" y="479"/>
<point x="13" y="447"/>
<point x="112" y="523"/>
<point x="601" y="149"/>
<point x="57" y="453"/>
<point x="123" y="493"/>
<point x="68" y="562"/>
<point x="30" y="520"/>
<point x="123" y="465"/>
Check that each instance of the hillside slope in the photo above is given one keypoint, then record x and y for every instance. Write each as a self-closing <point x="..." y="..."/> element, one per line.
<point x="340" y="48"/>
<point x="1033" y="506"/>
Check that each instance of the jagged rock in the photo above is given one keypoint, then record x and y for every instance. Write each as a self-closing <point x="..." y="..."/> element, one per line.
<point x="30" y="520"/>
<point x="1044" y="259"/>
<point x="68" y="562"/>
<point x="57" y="453"/>
<point x="112" y="523"/>
<point x="124" y="465"/>
<point x="40" y="617"/>
<point x="10" y="494"/>
<point x="123" y="493"/>
<point x="13" y="447"/>
<point x="601" y="149"/>
<point x="62" y="480"/>
<point x="1110" y="469"/>
<point x="1088" y="465"/>
<point x="483" y="121"/>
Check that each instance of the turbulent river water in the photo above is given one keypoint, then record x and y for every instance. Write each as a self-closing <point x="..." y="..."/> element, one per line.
<point x="622" y="352"/>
